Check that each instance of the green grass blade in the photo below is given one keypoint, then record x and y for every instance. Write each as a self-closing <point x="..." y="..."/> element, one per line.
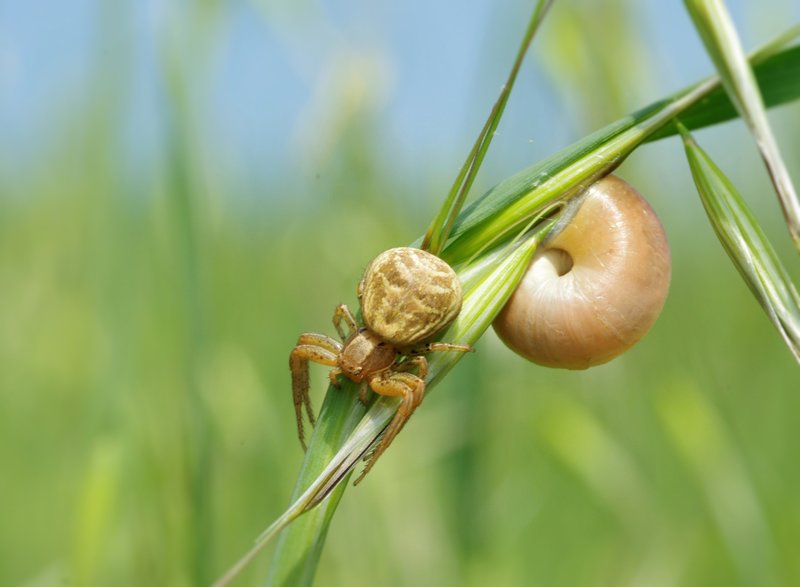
<point x="502" y="211"/>
<point x="439" y="230"/>
<point x="778" y="77"/>
<point x="298" y="550"/>
<point x="499" y="215"/>
<point x="185" y="215"/>
<point x="342" y="435"/>
<point x="747" y="245"/>
<point x="699" y="435"/>
<point x="327" y="463"/>
<point x="716" y="28"/>
<point x="510" y="204"/>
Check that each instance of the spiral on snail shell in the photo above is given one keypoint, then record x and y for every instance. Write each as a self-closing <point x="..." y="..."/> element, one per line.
<point x="596" y="287"/>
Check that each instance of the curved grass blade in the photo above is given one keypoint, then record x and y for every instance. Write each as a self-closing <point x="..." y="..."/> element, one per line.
<point x="716" y="28"/>
<point x="746" y="245"/>
<point x="439" y="230"/>
<point x="700" y="435"/>
<point x="333" y="451"/>
<point x="500" y="212"/>
<point x="328" y="461"/>
<point x="778" y="77"/>
<point x="506" y="208"/>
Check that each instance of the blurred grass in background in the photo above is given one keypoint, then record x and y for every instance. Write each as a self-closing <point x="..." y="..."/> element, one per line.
<point x="150" y="293"/>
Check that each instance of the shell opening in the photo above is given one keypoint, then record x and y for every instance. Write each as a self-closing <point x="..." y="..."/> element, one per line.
<point x="560" y="260"/>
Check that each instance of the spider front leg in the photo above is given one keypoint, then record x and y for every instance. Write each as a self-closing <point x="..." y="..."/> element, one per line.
<point x="419" y="363"/>
<point x="431" y="347"/>
<point x="319" y="349"/>
<point x="343" y="312"/>
<point x="395" y="384"/>
<point x="363" y="389"/>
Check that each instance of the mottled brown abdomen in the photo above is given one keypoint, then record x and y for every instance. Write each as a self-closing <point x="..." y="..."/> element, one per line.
<point x="408" y="295"/>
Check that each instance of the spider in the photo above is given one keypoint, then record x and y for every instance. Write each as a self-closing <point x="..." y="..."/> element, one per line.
<point x="407" y="296"/>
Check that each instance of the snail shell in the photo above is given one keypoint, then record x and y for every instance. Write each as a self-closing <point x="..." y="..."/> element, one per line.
<point x="594" y="289"/>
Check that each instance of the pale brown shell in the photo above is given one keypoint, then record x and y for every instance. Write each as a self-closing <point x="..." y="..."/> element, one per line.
<point x="596" y="288"/>
<point x="408" y="295"/>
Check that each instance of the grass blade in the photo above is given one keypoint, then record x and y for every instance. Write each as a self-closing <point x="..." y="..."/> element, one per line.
<point x="715" y="26"/>
<point x="297" y="553"/>
<point x="333" y="452"/>
<point x="747" y="245"/>
<point x="500" y="214"/>
<point x="510" y="204"/>
<point x="439" y="230"/>
<point x="778" y="77"/>
<point x="698" y="432"/>
<point x="502" y="211"/>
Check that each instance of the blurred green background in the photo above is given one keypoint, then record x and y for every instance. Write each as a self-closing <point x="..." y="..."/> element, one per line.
<point x="187" y="186"/>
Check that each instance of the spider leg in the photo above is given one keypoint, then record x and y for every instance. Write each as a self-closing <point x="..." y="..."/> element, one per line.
<point x="343" y="313"/>
<point x="320" y="340"/>
<point x="393" y="384"/>
<point x="431" y="347"/>
<point x="310" y="347"/>
<point x="417" y="362"/>
<point x="332" y="375"/>
<point x="363" y="388"/>
<point x="328" y="344"/>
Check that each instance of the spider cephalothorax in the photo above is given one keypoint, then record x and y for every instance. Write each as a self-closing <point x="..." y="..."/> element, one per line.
<point x="407" y="296"/>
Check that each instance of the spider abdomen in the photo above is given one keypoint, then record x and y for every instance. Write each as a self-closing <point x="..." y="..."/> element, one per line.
<point x="407" y="295"/>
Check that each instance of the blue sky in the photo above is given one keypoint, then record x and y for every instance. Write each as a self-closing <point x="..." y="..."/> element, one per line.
<point x="428" y="71"/>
